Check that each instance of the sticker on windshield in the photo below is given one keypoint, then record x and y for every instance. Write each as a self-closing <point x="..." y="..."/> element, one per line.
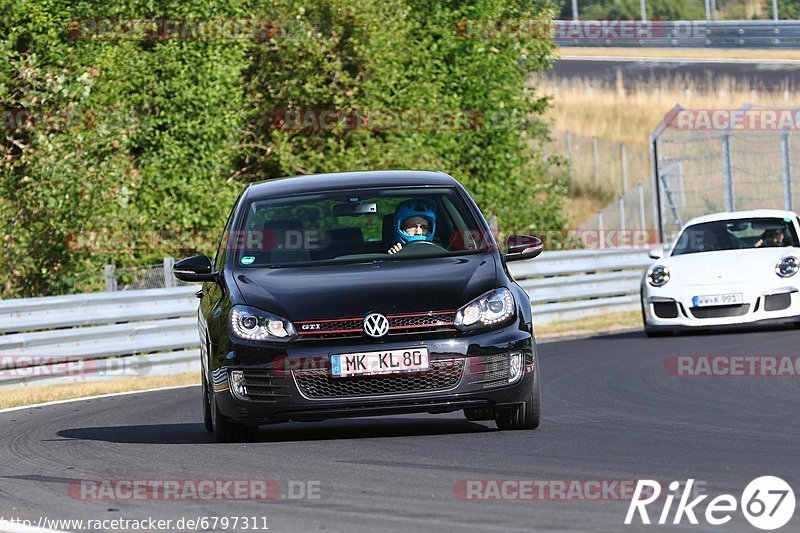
<point x="247" y="260"/>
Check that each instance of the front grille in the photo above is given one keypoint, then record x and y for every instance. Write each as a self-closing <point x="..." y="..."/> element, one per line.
<point x="262" y="387"/>
<point x="493" y="370"/>
<point x="720" y="311"/>
<point x="354" y="327"/>
<point x="777" y="302"/>
<point x="318" y="384"/>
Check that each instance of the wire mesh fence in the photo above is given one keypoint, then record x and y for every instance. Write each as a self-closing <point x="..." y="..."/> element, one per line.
<point x="736" y="164"/>
<point x="157" y="276"/>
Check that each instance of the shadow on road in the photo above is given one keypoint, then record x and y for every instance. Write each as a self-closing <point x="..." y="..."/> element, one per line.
<point x="288" y="432"/>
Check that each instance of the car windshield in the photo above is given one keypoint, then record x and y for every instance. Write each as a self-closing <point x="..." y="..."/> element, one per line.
<point x="355" y="226"/>
<point x="736" y="234"/>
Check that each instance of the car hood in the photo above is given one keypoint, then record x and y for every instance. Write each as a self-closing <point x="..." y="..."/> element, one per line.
<point x="726" y="266"/>
<point x="354" y="290"/>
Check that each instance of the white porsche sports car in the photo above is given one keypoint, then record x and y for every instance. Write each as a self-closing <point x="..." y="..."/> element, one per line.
<point x="726" y="269"/>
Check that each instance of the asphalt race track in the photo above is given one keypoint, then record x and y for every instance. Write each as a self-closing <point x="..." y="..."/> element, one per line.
<point x="771" y="76"/>
<point x="611" y="412"/>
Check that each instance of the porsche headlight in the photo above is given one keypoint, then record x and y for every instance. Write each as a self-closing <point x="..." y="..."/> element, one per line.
<point x="787" y="267"/>
<point x="658" y="276"/>
<point x="493" y="307"/>
<point x="254" y="324"/>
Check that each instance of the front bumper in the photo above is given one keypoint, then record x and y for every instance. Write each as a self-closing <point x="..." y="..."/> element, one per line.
<point x="669" y="309"/>
<point x="294" y="383"/>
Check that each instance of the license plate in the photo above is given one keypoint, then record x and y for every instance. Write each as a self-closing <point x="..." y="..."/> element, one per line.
<point x="717" y="299"/>
<point x="383" y="362"/>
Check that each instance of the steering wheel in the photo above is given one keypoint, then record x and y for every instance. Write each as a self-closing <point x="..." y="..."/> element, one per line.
<point x="419" y="247"/>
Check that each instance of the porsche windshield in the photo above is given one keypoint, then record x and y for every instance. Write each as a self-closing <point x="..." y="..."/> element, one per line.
<point x="357" y="225"/>
<point x="736" y="234"/>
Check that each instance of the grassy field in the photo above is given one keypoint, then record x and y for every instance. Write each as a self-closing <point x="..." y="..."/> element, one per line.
<point x="605" y="323"/>
<point x="33" y="394"/>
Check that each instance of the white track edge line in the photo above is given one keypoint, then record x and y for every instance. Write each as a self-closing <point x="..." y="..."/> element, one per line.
<point x="85" y="398"/>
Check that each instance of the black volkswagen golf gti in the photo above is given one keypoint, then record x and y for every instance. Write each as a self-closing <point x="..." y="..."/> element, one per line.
<point x="361" y="294"/>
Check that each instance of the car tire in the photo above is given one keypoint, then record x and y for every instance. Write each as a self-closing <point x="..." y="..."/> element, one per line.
<point x="225" y="429"/>
<point x="207" y="420"/>
<point x="526" y="415"/>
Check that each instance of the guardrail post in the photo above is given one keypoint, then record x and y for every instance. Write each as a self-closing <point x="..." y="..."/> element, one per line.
<point x="622" y="213"/>
<point x="169" y="279"/>
<point x="110" y="277"/>
<point x="786" y="163"/>
<point x="596" y="162"/>
<point x="708" y="10"/>
<point x="775" y="10"/>
<point x="569" y="154"/>
<point x="727" y="176"/>
<point x="713" y="9"/>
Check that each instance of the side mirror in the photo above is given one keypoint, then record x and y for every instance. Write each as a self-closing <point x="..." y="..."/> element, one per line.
<point x="196" y="268"/>
<point x="656" y="253"/>
<point x="522" y="247"/>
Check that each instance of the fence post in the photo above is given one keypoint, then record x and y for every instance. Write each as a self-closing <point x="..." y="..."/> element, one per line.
<point x="169" y="279"/>
<point x="596" y="162"/>
<point x="110" y="277"/>
<point x="575" y="10"/>
<point x="623" y="160"/>
<point x="643" y="5"/>
<point x="727" y="176"/>
<point x="786" y="162"/>
<point x="622" y="213"/>
<point x="775" y="10"/>
<point x="642" y="219"/>
<point x="708" y="10"/>
<point x="569" y="154"/>
<point x="713" y="9"/>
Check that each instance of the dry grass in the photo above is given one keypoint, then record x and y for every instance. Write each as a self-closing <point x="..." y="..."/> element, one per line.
<point x="682" y="53"/>
<point x="33" y="394"/>
<point x="629" y="116"/>
<point x="605" y="323"/>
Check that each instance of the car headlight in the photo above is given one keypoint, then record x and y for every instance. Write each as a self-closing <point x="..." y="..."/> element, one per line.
<point x="787" y="267"/>
<point x="488" y="309"/>
<point x="256" y="325"/>
<point x="658" y="276"/>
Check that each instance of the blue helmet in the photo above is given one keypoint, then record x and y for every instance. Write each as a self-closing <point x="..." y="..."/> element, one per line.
<point x="419" y="207"/>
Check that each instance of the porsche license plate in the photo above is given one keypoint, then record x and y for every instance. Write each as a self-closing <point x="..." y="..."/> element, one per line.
<point x="383" y="362"/>
<point x="709" y="300"/>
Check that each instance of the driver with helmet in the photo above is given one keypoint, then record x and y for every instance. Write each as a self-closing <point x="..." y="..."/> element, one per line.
<point x="415" y="220"/>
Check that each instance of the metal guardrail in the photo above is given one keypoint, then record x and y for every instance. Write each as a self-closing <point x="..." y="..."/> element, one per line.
<point x="679" y="33"/>
<point x="578" y="283"/>
<point x="88" y="337"/>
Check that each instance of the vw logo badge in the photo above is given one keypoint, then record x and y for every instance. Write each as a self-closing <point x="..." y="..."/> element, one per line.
<point x="376" y="325"/>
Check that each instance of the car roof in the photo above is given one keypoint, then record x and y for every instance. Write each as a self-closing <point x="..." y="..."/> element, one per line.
<point x="732" y="215"/>
<point x="346" y="180"/>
